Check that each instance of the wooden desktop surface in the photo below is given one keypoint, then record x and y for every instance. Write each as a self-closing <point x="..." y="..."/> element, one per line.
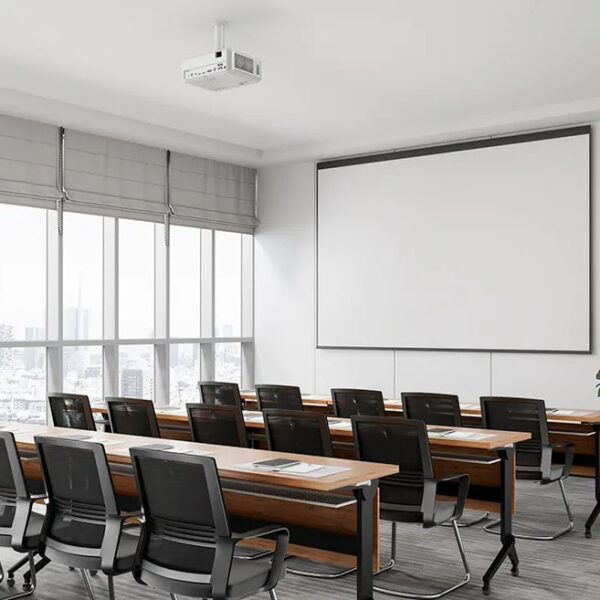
<point x="228" y="458"/>
<point x="494" y="439"/>
<point x="574" y="415"/>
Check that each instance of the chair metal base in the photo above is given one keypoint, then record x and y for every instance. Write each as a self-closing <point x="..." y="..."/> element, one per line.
<point x="336" y="575"/>
<point x="87" y="581"/>
<point x="540" y="538"/>
<point x="474" y="521"/>
<point x="28" y="586"/>
<point x="434" y="596"/>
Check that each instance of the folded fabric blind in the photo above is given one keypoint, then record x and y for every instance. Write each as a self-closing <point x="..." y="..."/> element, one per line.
<point x="28" y="162"/>
<point x="114" y="178"/>
<point x="212" y="194"/>
<point x="118" y="178"/>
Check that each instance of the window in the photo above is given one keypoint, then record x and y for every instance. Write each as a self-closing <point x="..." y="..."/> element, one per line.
<point x="228" y="362"/>
<point x="23" y="384"/>
<point x="185" y="282"/>
<point x="228" y="284"/>
<point x="185" y="373"/>
<point x="82" y="371"/>
<point x="82" y="277"/>
<point x="136" y="372"/>
<point x="136" y="279"/>
<point x="22" y="273"/>
<point x="134" y="317"/>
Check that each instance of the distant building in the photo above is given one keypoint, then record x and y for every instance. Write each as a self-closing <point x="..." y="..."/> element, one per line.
<point x="132" y="383"/>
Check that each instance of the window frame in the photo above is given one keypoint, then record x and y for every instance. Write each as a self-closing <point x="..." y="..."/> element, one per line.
<point x="162" y="340"/>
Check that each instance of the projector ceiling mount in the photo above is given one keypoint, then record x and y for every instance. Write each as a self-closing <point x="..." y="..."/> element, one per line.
<point x="222" y="69"/>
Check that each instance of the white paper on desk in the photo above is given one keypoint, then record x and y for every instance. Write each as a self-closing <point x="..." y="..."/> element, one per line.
<point x="323" y="472"/>
<point x="399" y="402"/>
<point x="342" y="425"/>
<point x="253" y="417"/>
<point x="467" y="406"/>
<point x="467" y="436"/>
<point x="313" y="396"/>
<point x="107" y="442"/>
<point x="573" y="413"/>
<point x="180" y="450"/>
<point x="301" y="468"/>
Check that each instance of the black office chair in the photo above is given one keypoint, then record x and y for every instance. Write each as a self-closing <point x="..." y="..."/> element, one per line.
<point x="71" y="410"/>
<point x="84" y="528"/>
<point x="437" y="409"/>
<point x="410" y="495"/>
<point x="433" y="409"/>
<point x="214" y="424"/>
<point x="300" y="432"/>
<point x="348" y="402"/>
<point x="20" y="527"/>
<point x="223" y="393"/>
<point x="133" y="416"/>
<point x="533" y="457"/>
<point x="187" y="546"/>
<point x="297" y="431"/>
<point x="285" y="397"/>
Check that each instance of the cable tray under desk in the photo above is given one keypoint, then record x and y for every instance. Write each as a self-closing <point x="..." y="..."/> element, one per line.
<point x="468" y="458"/>
<point x="287" y="494"/>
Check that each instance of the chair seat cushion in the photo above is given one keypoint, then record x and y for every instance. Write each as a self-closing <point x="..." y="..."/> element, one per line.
<point x="246" y="577"/>
<point x="442" y="512"/>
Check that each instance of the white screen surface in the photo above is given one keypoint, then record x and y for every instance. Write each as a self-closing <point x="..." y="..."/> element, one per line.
<point x="484" y="248"/>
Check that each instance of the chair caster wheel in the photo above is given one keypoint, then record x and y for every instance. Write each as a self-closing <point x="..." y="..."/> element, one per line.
<point x="486" y="590"/>
<point x="10" y="582"/>
<point x="27" y="587"/>
<point x="588" y="535"/>
<point x="93" y="573"/>
<point x="514" y="571"/>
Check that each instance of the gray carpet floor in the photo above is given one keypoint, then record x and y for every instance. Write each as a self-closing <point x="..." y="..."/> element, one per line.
<point x="428" y="560"/>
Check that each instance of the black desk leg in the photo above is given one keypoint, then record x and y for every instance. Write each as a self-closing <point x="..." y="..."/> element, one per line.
<point x="594" y="515"/>
<point x="508" y="541"/>
<point x="364" y="531"/>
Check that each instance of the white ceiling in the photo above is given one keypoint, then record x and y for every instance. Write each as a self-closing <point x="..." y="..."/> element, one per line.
<point x="339" y="76"/>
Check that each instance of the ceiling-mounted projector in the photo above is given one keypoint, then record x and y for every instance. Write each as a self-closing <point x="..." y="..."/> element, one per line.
<point x="222" y="69"/>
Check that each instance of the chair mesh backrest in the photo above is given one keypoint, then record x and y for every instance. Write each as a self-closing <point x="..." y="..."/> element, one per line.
<point x="223" y="425"/>
<point x="433" y="409"/>
<point x="12" y="480"/>
<point x="285" y="397"/>
<point x="226" y="394"/>
<point x="297" y="432"/>
<point x="133" y="417"/>
<point x="79" y="490"/>
<point x="519" y="414"/>
<point x="72" y="411"/>
<point x="396" y="441"/>
<point x="347" y="403"/>
<point x="183" y="509"/>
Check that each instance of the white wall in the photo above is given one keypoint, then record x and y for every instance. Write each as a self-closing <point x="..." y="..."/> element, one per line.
<point x="285" y="319"/>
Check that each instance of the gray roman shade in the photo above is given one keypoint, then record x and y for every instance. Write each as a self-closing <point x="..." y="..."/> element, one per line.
<point x="112" y="177"/>
<point x="212" y="193"/>
<point x="28" y="162"/>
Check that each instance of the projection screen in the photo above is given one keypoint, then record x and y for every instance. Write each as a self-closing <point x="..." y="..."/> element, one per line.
<point x="475" y="246"/>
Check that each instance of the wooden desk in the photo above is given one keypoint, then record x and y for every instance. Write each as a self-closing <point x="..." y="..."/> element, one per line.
<point x="581" y="427"/>
<point x="359" y="477"/>
<point x="489" y="462"/>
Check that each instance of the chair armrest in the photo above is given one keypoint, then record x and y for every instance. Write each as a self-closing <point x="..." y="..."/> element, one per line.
<point x="257" y="533"/>
<point x="463" y="488"/>
<point x="111" y="539"/>
<point x="23" y="509"/>
<point x="569" y="455"/>
<point x="224" y="557"/>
